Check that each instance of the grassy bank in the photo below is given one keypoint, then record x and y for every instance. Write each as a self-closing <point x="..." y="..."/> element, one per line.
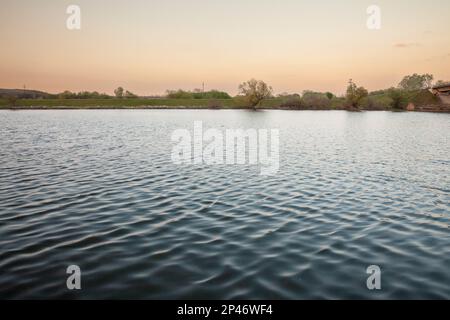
<point x="132" y="103"/>
<point x="383" y="100"/>
<point x="111" y="103"/>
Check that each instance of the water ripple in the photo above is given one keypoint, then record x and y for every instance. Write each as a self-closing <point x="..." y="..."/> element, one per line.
<point x="98" y="189"/>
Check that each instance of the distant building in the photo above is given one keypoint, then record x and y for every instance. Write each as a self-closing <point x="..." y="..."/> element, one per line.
<point x="442" y="91"/>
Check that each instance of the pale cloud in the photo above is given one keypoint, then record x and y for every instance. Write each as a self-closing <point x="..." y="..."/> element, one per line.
<point x="407" y="45"/>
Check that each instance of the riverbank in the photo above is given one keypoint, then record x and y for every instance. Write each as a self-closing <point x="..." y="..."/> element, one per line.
<point x="269" y="104"/>
<point x="113" y="103"/>
<point x="138" y="103"/>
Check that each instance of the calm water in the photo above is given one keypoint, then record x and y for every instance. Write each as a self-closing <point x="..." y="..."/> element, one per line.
<point x="98" y="189"/>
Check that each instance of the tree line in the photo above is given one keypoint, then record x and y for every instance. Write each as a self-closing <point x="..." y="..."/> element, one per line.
<point x="411" y="89"/>
<point x="252" y="93"/>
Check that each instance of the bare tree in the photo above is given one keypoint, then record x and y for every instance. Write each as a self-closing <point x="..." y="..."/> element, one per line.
<point x="255" y="91"/>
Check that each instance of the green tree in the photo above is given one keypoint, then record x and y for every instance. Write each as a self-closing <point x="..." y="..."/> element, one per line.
<point x="329" y="95"/>
<point x="355" y="94"/>
<point x="416" y="82"/>
<point x="315" y="100"/>
<point x="255" y="91"/>
<point x="119" y="92"/>
<point x="398" y="97"/>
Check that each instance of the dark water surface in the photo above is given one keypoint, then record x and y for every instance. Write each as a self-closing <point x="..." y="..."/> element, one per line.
<point x="98" y="189"/>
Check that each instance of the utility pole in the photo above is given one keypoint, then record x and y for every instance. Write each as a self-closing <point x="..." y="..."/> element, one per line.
<point x="203" y="87"/>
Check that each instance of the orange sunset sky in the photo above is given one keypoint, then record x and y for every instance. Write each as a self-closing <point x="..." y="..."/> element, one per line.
<point x="154" y="45"/>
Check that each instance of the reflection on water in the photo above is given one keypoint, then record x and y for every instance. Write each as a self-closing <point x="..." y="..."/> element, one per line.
<point x="98" y="189"/>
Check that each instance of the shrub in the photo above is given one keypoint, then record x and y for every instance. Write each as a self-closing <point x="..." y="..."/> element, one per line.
<point x="197" y="94"/>
<point x="338" y="103"/>
<point x="380" y="102"/>
<point x="292" y="102"/>
<point x="399" y="98"/>
<point x="422" y="97"/>
<point x="12" y="100"/>
<point x="315" y="100"/>
<point x="213" y="94"/>
<point x="179" y="94"/>
<point x="329" y="95"/>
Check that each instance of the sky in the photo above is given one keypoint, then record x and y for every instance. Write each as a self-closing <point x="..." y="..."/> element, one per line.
<point x="149" y="46"/>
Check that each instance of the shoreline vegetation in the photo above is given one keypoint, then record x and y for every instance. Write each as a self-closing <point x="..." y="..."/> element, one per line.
<point x="175" y="104"/>
<point x="412" y="94"/>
